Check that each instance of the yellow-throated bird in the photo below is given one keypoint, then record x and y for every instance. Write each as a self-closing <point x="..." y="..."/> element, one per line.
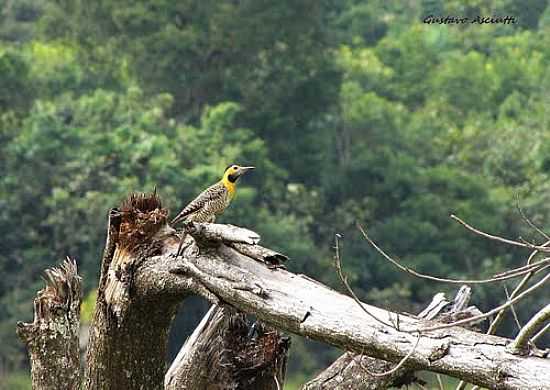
<point x="215" y="199"/>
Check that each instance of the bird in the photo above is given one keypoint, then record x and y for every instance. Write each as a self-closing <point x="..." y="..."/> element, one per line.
<point x="215" y="199"/>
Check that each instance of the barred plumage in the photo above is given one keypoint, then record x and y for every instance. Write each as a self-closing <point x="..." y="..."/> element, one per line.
<point x="215" y="199"/>
<point x="206" y="206"/>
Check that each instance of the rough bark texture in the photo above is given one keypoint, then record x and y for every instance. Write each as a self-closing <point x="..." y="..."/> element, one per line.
<point x="129" y="332"/>
<point x="351" y="371"/>
<point x="226" y="352"/>
<point x="348" y="373"/>
<point x="303" y="306"/>
<point x="138" y="295"/>
<point x="52" y="338"/>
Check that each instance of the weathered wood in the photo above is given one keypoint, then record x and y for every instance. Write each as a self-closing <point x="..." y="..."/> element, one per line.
<point x="300" y="305"/>
<point x="189" y="370"/>
<point x="216" y="232"/>
<point x="348" y="372"/>
<point x="224" y="352"/>
<point x="368" y="373"/>
<point x="129" y="331"/>
<point x="52" y="338"/>
<point x="265" y="255"/>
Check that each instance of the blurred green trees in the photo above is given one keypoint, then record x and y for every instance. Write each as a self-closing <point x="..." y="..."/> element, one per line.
<point x="352" y="111"/>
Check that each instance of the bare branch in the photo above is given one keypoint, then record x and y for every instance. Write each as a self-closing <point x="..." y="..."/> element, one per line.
<point x="348" y="371"/>
<point x="520" y="344"/>
<point x="528" y="221"/>
<point x="528" y="267"/>
<point x="510" y="274"/>
<point x="344" y="281"/>
<point x="540" y="333"/>
<point x="512" y="309"/>
<point x="499" y="317"/>
<point x="500" y="239"/>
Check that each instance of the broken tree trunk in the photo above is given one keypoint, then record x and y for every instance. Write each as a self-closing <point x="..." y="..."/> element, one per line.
<point x="352" y="369"/>
<point x="138" y="295"/>
<point x="134" y="307"/>
<point x="303" y="306"/>
<point x="225" y="352"/>
<point x="52" y="338"/>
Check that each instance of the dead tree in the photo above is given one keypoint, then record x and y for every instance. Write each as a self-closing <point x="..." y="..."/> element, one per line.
<point x="52" y="338"/>
<point x="142" y="282"/>
<point x="226" y="352"/>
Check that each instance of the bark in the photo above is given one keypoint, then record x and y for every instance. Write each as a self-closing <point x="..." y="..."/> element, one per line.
<point x="298" y="304"/>
<point x="52" y="338"/>
<point x="348" y="372"/>
<point x="129" y="331"/>
<point x="352" y="370"/>
<point x="225" y="352"/>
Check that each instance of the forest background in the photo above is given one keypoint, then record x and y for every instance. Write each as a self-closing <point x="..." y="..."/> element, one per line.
<point x="350" y="110"/>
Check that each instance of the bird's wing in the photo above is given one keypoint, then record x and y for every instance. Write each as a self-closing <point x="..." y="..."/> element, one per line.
<point x="211" y="193"/>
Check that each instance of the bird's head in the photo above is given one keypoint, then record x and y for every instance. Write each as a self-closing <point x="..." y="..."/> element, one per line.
<point x="233" y="172"/>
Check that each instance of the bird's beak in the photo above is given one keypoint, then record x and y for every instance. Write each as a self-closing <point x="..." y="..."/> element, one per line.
<point x="243" y="170"/>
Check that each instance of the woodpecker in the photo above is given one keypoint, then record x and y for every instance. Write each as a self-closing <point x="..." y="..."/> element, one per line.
<point x="215" y="199"/>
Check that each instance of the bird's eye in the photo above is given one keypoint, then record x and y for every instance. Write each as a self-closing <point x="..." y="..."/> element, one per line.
<point x="235" y="168"/>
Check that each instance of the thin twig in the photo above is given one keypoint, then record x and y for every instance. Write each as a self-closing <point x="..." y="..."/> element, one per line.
<point x="397" y="367"/>
<point x="344" y="281"/>
<point x="500" y="239"/>
<point x="489" y="313"/>
<point x="512" y="309"/>
<point x="528" y="221"/>
<point x="535" y="252"/>
<point x="541" y="265"/>
<point x="519" y="287"/>
<point x="499" y="317"/>
<point x="540" y="333"/>
<point x="527" y="267"/>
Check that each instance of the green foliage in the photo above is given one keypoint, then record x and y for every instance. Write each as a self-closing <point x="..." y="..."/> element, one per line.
<point x="87" y="307"/>
<point x="15" y="92"/>
<point x="352" y="111"/>
<point x="17" y="381"/>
